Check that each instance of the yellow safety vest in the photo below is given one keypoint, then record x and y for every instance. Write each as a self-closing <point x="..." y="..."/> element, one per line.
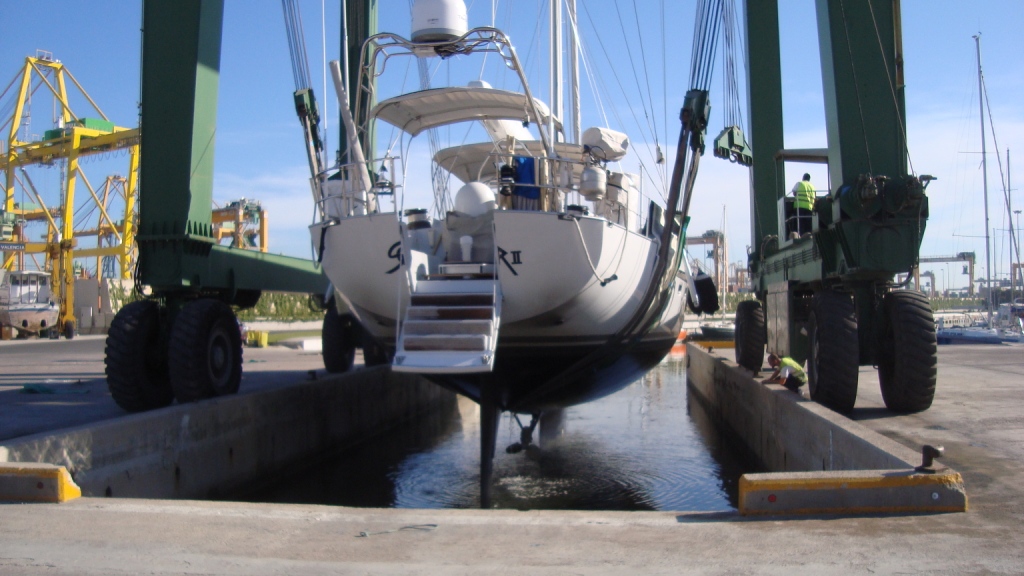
<point x="794" y="368"/>
<point x="804" y="195"/>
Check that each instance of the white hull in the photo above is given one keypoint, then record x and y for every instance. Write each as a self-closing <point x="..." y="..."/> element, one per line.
<point x="31" y="318"/>
<point x="551" y="295"/>
<point x="25" y="302"/>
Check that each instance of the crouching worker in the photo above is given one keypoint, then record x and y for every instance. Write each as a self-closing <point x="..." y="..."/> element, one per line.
<point x="787" y="372"/>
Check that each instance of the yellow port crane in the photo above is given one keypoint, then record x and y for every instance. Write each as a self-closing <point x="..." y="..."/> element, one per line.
<point x="73" y="137"/>
<point x="244" y="222"/>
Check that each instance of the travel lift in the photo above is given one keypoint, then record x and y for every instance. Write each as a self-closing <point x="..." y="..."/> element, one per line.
<point x="183" y="341"/>
<point x="830" y="297"/>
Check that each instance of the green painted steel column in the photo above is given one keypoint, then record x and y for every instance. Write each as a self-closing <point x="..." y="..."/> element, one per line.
<point x="360" y="21"/>
<point x="180" y="81"/>
<point x="181" y="45"/>
<point x="862" y="76"/>
<point x="764" y="81"/>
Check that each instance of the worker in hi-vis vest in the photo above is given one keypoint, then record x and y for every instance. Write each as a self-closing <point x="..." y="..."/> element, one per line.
<point x="803" y="191"/>
<point x="788" y="372"/>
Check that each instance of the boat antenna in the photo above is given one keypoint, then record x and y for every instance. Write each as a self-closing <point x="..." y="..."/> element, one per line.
<point x="984" y="179"/>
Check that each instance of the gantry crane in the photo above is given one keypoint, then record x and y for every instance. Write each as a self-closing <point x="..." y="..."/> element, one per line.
<point x="244" y="222"/>
<point x="76" y="137"/>
<point x="966" y="257"/>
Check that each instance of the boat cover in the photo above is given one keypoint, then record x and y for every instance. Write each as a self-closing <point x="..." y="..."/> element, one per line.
<point x="606" y="143"/>
<point x="418" y="111"/>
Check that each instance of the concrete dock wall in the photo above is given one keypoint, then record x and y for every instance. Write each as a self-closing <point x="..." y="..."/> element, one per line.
<point x="783" y="430"/>
<point x="819" y="461"/>
<point x="212" y="448"/>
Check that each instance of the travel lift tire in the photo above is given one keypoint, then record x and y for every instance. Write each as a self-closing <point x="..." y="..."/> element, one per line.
<point x="205" y="353"/>
<point x="136" y="363"/>
<point x="69" y="330"/>
<point x="907" y="358"/>
<point x="834" y="360"/>
<point x="750" y="337"/>
<point x="339" y="346"/>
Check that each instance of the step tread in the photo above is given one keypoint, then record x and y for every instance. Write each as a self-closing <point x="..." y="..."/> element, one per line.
<point x="453" y="299"/>
<point x="421" y="327"/>
<point x="450" y="313"/>
<point x="435" y="284"/>
<point x="454" y="342"/>
<point x="443" y="362"/>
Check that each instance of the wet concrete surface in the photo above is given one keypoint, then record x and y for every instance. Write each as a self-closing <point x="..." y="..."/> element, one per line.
<point x="977" y="416"/>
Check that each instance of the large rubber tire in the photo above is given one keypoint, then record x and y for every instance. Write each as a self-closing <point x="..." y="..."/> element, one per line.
<point x="834" y="360"/>
<point x="908" y="359"/>
<point x="136" y="361"/>
<point x="339" y="346"/>
<point x="69" y="330"/>
<point x="751" y="337"/>
<point x="205" y="354"/>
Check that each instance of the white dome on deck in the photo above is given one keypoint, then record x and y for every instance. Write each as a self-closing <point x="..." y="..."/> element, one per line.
<point x="438" y="20"/>
<point x="474" y="199"/>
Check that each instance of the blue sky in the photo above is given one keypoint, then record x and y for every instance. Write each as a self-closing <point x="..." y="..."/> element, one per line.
<point x="259" y="154"/>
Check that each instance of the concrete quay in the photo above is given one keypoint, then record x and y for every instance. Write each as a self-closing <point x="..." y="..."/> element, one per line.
<point x="976" y="416"/>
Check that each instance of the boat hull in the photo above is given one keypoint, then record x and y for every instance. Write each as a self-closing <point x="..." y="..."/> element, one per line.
<point x="526" y="377"/>
<point x="30" y="318"/>
<point x="967" y="336"/>
<point x="568" y="285"/>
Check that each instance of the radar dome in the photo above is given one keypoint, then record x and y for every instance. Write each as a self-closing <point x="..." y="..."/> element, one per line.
<point x="438" y="20"/>
<point x="474" y="199"/>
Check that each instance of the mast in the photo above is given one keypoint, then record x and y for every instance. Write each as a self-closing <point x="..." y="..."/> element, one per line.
<point x="1014" y="249"/>
<point x="574" y="74"/>
<point x="556" y="68"/>
<point x="344" y="45"/>
<point x="984" y="179"/>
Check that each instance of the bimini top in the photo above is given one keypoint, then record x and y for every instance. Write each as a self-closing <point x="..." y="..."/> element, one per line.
<point x="418" y="111"/>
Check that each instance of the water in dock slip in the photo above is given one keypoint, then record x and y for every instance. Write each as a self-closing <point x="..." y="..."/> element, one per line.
<point x="648" y="447"/>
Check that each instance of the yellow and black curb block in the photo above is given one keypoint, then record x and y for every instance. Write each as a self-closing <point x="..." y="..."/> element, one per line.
<point x="34" y="482"/>
<point x="852" y="492"/>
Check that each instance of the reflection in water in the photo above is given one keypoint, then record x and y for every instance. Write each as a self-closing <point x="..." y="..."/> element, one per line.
<point x="647" y="447"/>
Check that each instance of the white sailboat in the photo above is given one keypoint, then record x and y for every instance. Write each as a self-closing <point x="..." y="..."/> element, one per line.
<point x="548" y="279"/>
<point x="1007" y="325"/>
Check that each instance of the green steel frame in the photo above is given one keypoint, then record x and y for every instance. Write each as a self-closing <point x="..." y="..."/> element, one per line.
<point x="870" y="226"/>
<point x="178" y="255"/>
<point x="360" y="23"/>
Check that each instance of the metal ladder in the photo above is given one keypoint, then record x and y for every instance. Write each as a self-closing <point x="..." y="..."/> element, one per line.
<point x="451" y="324"/>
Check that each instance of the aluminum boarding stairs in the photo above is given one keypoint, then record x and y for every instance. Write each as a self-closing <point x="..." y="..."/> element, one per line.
<point x="451" y="324"/>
